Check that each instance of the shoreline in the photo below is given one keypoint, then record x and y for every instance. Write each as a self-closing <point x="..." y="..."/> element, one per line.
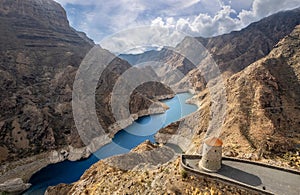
<point x="23" y="169"/>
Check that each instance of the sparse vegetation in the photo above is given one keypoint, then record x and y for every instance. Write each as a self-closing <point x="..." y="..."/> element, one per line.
<point x="184" y="174"/>
<point x="293" y="159"/>
<point x="109" y="180"/>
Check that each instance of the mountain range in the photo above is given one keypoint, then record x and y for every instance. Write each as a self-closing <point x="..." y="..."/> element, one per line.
<point x="261" y="124"/>
<point x="40" y="55"/>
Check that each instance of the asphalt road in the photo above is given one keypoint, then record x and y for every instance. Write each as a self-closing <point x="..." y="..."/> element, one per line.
<point x="268" y="179"/>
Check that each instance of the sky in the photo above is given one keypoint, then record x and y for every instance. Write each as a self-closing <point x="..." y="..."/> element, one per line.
<point x="101" y="19"/>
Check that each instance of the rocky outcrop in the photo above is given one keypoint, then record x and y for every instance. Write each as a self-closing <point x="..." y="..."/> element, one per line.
<point x="261" y="121"/>
<point x="103" y="178"/>
<point x="40" y="54"/>
<point x="262" y="115"/>
<point x="231" y="52"/>
<point x="14" y="186"/>
<point x="145" y="154"/>
<point x="39" y="58"/>
<point x="267" y="94"/>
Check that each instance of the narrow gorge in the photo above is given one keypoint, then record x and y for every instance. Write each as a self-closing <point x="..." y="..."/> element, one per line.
<point x="40" y="58"/>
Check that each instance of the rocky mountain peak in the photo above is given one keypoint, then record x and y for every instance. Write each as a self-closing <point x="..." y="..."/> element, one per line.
<point x="48" y="12"/>
<point x="236" y="50"/>
<point x="39" y="58"/>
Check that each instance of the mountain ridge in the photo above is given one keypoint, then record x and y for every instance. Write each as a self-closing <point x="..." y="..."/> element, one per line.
<point x="261" y="124"/>
<point x="253" y="134"/>
<point x="233" y="51"/>
<point x="39" y="58"/>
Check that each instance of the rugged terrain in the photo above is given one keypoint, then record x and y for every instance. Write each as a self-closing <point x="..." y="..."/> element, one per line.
<point x="267" y="94"/>
<point x="39" y="57"/>
<point x="232" y="52"/>
<point x="107" y="177"/>
<point x="262" y="115"/>
<point x="261" y="123"/>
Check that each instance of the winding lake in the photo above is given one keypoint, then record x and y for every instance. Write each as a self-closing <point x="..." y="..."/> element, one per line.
<point x="142" y="129"/>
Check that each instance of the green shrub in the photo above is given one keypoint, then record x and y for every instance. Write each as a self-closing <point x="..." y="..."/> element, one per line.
<point x="184" y="174"/>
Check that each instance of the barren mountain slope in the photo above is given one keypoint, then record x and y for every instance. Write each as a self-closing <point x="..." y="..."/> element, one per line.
<point x="262" y="121"/>
<point x="39" y="58"/>
<point x="231" y="52"/>
<point x="264" y="99"/>
<point x="262" y="113"/>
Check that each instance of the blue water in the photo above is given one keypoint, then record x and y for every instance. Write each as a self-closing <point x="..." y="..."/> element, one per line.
<point x="142" y="129"/>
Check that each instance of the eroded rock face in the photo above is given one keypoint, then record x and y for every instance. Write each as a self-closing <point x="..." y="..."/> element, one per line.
<point x="48" y="12"/>
<point x="262" y="117"/>
<point x="14" y="186"/>
<point x="262" y="113"/>
<point x="231" y="52"/>
<point x="40" y="54"/>
<point x="267" y="94"/>
<point x="39" y="58"/>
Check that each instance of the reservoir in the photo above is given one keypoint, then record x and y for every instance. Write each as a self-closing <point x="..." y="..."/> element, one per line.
<point x="141" y="130"/>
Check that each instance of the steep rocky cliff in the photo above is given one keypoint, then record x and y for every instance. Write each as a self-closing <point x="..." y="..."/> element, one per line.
<point x="263" y="99"/>
<point x="262" y="114"/>
<point x="39" y="57"/>
<point x="231" y="52"/>
<point x="261" y="123"/>
<point x="40" y="53"/>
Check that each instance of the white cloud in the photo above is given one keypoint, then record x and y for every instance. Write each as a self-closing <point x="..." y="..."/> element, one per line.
<point x="239" y="5"/>
<point x="195" y="17"/>
<point x="222" y="22"/>
<point x="108" y="17"/>
<point x="140" y="39"/>
<point x="202" y="24"/>
<point x="78" y="2"/>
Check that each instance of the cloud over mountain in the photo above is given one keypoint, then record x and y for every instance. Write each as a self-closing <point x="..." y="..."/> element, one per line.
<point x="100" y="19"/>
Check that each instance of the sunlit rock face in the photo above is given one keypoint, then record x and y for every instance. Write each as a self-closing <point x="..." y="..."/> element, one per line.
<point x="262" y="116"/>
<point x="39" y="58"/>
<point x="40" y="54"/>
<point x="262" y="95"/>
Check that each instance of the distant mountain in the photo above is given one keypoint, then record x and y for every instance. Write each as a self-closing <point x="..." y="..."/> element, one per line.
<point x="236" y="50"/>
<point x="232" y="52"/>
<point x="262" y="121"/>
<point x="169" y="65"/>
<point x="261" y="73"/>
